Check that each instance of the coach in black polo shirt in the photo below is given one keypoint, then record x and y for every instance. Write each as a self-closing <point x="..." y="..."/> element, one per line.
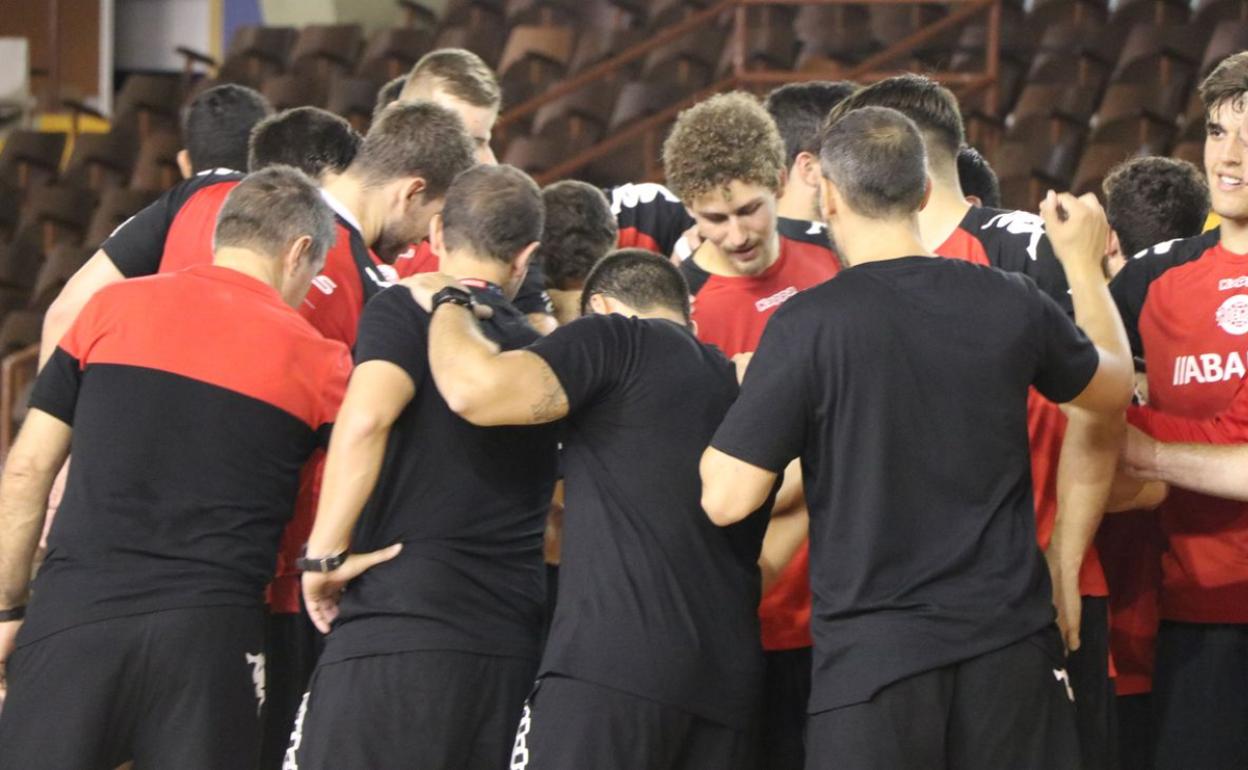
<point x="432" y="652"/>
<point x="653" y="658"/>
<point x="902" y="386"/>
<point x="145" y="632"/>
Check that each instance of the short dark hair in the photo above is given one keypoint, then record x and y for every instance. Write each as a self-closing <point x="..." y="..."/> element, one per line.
<point x="217" y="124"/>
<point x="1227" y="83"/>
<point x="389" y="94"/>
<point x="494" y="211"/>
<point x="932" y="107"/>
<point x="876" y="158"/>
<point x="462" y="73"/>
<point x="269" y="210"/>
<point x="1153" y="200"/>
<point x="977" y="177"/>
<point x="415" y="139"/>
<point x="310" y="139"/>
<point x="580" y="229"/>
<point x="800" y="110"/>
<point x="640" y="279"/>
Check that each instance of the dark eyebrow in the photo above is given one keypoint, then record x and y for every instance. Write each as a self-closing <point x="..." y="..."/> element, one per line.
<point x="746" y="206"/>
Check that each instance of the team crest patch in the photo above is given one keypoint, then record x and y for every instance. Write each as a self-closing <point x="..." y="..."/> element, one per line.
<point x="1232" y="316"/>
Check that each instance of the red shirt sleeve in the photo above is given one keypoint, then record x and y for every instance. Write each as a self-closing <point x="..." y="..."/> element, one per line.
<point x="1230" y="426"/>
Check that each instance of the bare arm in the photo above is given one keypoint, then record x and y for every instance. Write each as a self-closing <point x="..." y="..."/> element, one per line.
<point x="785" y="536"/>
<point x="98" y="272"/>
<point x="377" y="394"/>
<point x="1217" y="470"/>
<point x="732" y="489"/>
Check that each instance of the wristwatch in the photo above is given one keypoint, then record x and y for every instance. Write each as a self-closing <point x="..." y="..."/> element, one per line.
<point x="319" y="563"/>
<point x="453" y="295"/>
<point x="14" y="613"/>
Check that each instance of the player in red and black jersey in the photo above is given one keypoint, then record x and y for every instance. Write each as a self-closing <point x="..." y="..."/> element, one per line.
<point x="216" y="127"/>
<point x="431" y="654"/>
<point x="144" y="635"/>
<point x="1015" y="241"/>
<point x="1186" y="310"/>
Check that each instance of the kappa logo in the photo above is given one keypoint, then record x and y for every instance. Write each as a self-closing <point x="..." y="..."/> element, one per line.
<point x="775" y="300"/>
<point x="1060" y="675"/>
<point x="1020" y="223"/>
<point x="325" y="284"/>
<point x="520" y="752"/>
<point x="1232" y="316"/>
<point x="291" y="760"/>
<point x="632" y="195"/>
<point x="257" y="677"/>
<point x="1226" y="284"/>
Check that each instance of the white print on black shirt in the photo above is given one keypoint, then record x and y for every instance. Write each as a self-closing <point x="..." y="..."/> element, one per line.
<point x="1208" y="367"/>
<point x="1060" y="675"/>
<point x="520" y="753"/>
<point x="1020" y="223"/>
<point x="775" y="300"/>
<point x="630" y="195"/>
<point x="291" y="760"/>
<point x="1232" y="316"/>
<point x="257" y="677"/>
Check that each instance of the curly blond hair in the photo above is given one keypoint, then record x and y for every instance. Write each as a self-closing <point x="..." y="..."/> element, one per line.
<point x="725" y="138"/>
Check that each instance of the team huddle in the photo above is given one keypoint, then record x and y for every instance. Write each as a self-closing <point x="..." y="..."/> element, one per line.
<point x="378" y="455"/>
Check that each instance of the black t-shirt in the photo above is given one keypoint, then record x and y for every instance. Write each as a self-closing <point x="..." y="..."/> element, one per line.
<point x="469" y="505"/>
<point x="654" y="599"/>
<point x="902" y="385"/>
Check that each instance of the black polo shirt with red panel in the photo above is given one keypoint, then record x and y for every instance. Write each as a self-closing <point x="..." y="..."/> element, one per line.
<point x="195" y="399"/>
<point x="1185" y="306"/>
<point x="175" y="231"/>
<point x="649" y="217"/>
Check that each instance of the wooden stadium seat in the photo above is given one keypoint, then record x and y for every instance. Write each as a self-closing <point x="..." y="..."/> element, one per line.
<point x="689" y="61"/>
<point x="392" y="52"/>
<point x="254" y="53"/>
<point x="1192" y="122"/>
<point x="10" y="210"/>
<point x="1228" y="37"/>
<point x="771" y="47"/>
<point x="544" y="13"/>
<point x="58" y="267"/>
<point x="1075" y="55"/>
<point x="19" y="264"/>
<point x="581" y="115"/>
<point x="1135" y="114"/>
<point x="31" y="157"/>
<point x="641" y="99"/>
<point x="1159" y="12"/>
<point x="1045" y="13"/>
<point x="102" y="161"/>
<point x="419" y="15"/>
<point x="353" y="99"/>
<point x="1190" y="151"/>
<point x="537" y="154"/>
<point x="485" y="41"/>
<point x="116" y="206"/>
<point x="1046" y="112"/>
<point x="325" y="48"/>
<point x="665" y="13"/>
<point x="472" y="13"/>
<point x="533" y="58"/>
<point x="148" y="103"/>
<point x="1099" y="158"/>
<point x="157" y="166"/>
<point x="1210" y="12"/>
<point x="20" y="329"/>
<point x="839" y="33"/>
<point x="1160" y="55"/>
<point x="597" y="44"/>
<point x="59" y="212"/>
<point x="297" y="90"/>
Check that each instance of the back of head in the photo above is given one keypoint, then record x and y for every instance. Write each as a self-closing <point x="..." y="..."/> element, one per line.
<point x="217" y="124"/>
<point x="458" y="72"/>
<point x="493" y="212"/>
<point x="640" y="279"/>
<point x="876" y="159"/>
<point x="271" y="209"/>
<point x="1226" y="84"/>
<point x="389" y="94"/>
<point x="311" y="139"/>
<point x="727" y="138"/>
<point x="418" y="139"/>
<point x="931" y="106"/>
<point x="800" y="110"/>
<point x="978" y="178"/>
<point x="1152" y="200"/>
<point x="580" y="229"/>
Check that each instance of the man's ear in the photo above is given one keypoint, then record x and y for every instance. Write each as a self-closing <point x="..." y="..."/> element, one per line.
<point x="784" y="181"/>
<point x="437" y="242"/>
<point x="927" y="192"/>
<point x="521" y="264"/>
<point x="413" y="188"/>
<point x="807" y="168"/>
<point x="828" y="199"/>
<point x="184" y="164"/>
<point x="598" y="304"/>
<point x="295" y="256"/>
<point x="974" y="201"/>
<point x="1114" y="247"/>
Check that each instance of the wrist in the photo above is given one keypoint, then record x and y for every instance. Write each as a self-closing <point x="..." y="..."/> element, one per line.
<point x="15" y="612"/>
<point x="453" y="295"/>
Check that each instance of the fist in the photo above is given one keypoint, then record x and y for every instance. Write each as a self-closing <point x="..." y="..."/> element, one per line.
<point x="1077" y="228"/>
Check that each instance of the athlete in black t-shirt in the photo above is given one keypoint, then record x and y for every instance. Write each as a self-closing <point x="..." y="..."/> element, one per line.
<point x="431" y="653"/>
<point x="653" y="659"/>
<point x="902" y="386"/>
<point x="145" y="633"/>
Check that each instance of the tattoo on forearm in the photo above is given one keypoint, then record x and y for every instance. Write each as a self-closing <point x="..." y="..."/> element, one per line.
<point x="553" y="403"/>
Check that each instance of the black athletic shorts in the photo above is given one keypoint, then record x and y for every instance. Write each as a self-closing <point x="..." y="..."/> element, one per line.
<point x="434" y="710"/>
<point x="291" y="647"/>
<point x="570" y="724"/>
<point x="1200" y="693"/>
<point x="1011" y="708"/>
<point x="1137" y="736"/>
<point x="1096" y="715"/>
<point x="786" y="693"/>
<point x="179" y="688"/>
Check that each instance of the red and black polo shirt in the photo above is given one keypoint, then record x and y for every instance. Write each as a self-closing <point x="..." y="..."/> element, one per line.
<point x="1014" y="241"/>
<point x="195" y="399"/>
<point x="176" y="230"/>
<point x="1185" y="306"/>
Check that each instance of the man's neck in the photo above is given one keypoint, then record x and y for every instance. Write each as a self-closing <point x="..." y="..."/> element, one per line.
<point x="348" y="190"/>
<point x="249" y="263"/>
<point x="945" y="210"/>
<point x="462" y="265"/>
<point x="879" y="241"/>
<point x="710" y="258"/>
<point x="1234" y="235"/>
<point x="797" y="202"/>
<point x="567" y="304"/>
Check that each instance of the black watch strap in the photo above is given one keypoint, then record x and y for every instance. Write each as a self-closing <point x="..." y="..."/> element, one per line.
<point x="13" y="613"/>
<point x="455" y="296"/>
<point x="320" y="563"/>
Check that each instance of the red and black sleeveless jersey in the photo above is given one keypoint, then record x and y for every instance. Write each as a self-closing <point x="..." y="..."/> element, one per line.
<point x="1014" y="241"/>
<point x="1185" y="306"/>
<point x="352" y="276"/>
<point x="195" y="398"/>
<point x="731" y="311"/>
<point x="175" y="231"/>
<point x="649" y="217"/>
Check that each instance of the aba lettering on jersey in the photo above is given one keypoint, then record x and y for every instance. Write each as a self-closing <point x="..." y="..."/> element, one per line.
<point x="1185" y="306"/>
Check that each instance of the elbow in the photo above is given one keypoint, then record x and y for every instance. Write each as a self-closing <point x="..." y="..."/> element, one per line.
<point x="718" y="509"/>
<point x="470" y="399"/>
<point x="358" y="426"/>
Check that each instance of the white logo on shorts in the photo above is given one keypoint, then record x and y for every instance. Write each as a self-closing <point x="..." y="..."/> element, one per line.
<point x="1233" y="315"/>
<point x="520" y="753"/>
<point x="257" y="677"/>
<point x="1060" y="675"/>
<point x="291" y="760"/>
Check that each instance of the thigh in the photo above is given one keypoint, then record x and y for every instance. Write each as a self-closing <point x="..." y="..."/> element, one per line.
<point x="786" y="691"/>
<point x="71" y="699"/>
<point x="568" y="724"/>
<point x="1095" y="713"/>
<point x="902" y="727"/>
<point x="496" y="700"/>
<point x="206" y="689"/>
<point x="1014" y="708"/>
<point x="1200" y="692"/>
<point x="1136" y="734"/>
